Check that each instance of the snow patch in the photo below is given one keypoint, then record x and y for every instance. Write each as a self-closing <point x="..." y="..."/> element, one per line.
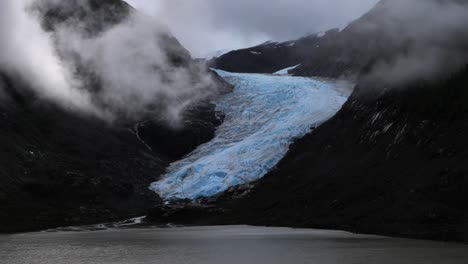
<point x="286" y="44"/>
<point x="255" y="52"/>
<point x="286" y="70"/>
<point x="264" y="115"/>
<point x="321" y="34"/>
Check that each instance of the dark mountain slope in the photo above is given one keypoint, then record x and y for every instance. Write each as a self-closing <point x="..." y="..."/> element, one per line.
<point x="63" y="168"/>
<point x="349" y="51"/>
<point x="270" y="57"/>
<point x="333" y="54"/>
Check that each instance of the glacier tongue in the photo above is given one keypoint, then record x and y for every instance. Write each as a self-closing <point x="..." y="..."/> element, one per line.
<point x="264" y="114"/>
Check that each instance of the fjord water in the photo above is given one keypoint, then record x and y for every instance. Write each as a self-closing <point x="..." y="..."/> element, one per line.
<point x="264" y="115"/>
<point x="222" y="245"/>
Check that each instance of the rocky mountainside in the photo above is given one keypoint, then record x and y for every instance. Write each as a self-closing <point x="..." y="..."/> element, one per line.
<point x="391" y="162"/>
<point x="64" y="168"/>
<point x="392" y="165"/>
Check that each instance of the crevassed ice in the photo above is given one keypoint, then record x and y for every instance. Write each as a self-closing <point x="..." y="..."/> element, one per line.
<point x="264" y="114"/>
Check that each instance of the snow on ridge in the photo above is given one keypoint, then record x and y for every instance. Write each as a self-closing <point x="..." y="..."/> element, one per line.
<point x="285" y="71"/>
<point x="269" y="42"/>
<point x="264" y="115"/>
<point x="321" y="34"/>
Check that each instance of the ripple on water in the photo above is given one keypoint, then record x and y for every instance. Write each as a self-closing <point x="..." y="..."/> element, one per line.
<point x="264" y="114"/>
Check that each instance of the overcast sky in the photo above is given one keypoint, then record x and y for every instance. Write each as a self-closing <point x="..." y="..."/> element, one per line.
<point x="206" y="26"/>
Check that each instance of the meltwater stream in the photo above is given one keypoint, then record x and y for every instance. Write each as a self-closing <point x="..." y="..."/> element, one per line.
<point x="264" y="114"/>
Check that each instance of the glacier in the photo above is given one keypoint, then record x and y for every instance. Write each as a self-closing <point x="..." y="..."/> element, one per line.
<point x="264" y="115"/>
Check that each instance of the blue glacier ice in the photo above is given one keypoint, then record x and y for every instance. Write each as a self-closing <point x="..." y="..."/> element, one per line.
<point x="264" y="115"/>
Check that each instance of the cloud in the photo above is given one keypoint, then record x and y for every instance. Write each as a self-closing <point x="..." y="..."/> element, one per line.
<point x="133" y="61"/>
<point x="132" y="69"/>
<point x="28" y="52"/>
<point x="205" y="26"/>
<point x="431" y="38"/>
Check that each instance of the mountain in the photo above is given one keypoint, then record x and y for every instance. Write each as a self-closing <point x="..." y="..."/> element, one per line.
<point x="271" y="57"/>
<point x="393" y="165"/>
<point x="61" y="167"/>
<point x="387" y="32"/>
<point x="391" y="162"/>
<point x="333" y="53"/>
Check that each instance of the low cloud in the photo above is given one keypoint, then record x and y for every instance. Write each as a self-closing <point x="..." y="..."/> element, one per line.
<point x="131" y="70"/>
<point x="205" y="26"/>
<point x="28" y="52"/>
<point x="431" y="39"/>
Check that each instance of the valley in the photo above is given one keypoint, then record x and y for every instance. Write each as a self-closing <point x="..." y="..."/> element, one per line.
<point x="125" y="148"/>
<point x="263" y="116"/>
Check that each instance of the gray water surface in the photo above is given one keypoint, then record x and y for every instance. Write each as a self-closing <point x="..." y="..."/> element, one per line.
<point x="218" y="245"/>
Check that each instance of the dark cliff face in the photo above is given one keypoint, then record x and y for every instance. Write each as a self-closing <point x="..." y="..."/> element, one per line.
<point x="62" y="168"/>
